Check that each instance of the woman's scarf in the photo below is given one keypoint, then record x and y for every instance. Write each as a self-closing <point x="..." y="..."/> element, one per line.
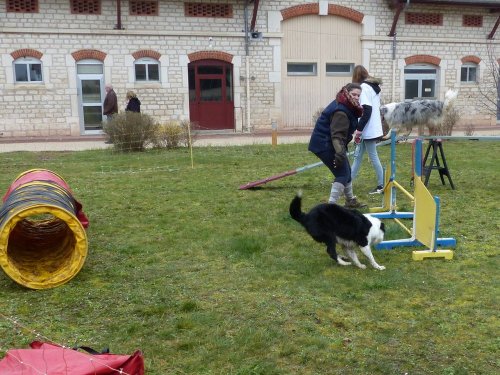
<point x="344" y="98"/>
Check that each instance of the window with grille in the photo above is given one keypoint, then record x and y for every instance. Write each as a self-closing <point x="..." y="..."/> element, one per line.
<point x="22" y="6"/>
<point x="468" y="73"/>
<point x="472" y="21"/>
<point x="143" y="7"/>
<point x="147" y="69"/>
<point x="85" y="6"/>
<point x="208" y="10"/>
<point x="27" y="69"/>
<point x="434" y="19"/>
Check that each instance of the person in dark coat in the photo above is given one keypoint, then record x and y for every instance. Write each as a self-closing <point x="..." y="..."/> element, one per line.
<point x="133" y="103"/>
<point x="332" y="132"/>
<point x="110" y="105"/>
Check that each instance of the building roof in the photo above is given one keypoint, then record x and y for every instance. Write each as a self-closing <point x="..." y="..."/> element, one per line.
<point x="401" y="5"/>
<point x="492" y="5"/>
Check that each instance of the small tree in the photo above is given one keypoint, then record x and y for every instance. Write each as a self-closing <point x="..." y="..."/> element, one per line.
<point x="131" y="131"/>
<point x="489" y="86"/>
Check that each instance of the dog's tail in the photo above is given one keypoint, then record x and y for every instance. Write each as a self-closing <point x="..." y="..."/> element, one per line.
<point x="449" y="98"/>
<point x="296" y="208"/>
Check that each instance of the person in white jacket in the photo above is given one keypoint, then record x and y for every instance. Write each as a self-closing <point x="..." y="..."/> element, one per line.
<point x="369" y="128"/>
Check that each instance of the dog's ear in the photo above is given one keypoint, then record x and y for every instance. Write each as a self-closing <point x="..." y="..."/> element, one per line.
<point x="382" y="227"/>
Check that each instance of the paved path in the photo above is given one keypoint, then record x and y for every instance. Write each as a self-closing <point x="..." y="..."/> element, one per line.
<point x="96" y="143"/>
<point x="217" y="140"/>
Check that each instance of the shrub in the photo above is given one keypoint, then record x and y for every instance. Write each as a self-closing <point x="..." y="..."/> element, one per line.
<point x="317" y="114"/>
<point x="173" y="134"/>
<point x="130" y="131"/>
<point x="470" y="129"/>
<point x="450" y="119"/>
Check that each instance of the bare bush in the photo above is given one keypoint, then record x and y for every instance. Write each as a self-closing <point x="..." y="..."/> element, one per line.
<point x="130" y="131"/>
<point x="450" y="119"/>
<point x="174" y="134"/>
<point x="470" y="129"/>
<point x="317" y="114"/>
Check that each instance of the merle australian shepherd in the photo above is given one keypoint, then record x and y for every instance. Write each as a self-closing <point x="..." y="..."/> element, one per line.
<point x="330" y="224"/>
<point x="406" y="115"/>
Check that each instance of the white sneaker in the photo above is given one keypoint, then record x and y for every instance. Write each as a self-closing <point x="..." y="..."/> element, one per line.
<point x="378" y="190"/>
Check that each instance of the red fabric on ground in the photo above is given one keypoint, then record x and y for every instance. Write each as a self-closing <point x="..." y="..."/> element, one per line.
<point x="44" y="358"/>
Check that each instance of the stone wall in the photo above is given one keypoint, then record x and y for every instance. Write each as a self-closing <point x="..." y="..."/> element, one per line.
<point x="51" y="108"/>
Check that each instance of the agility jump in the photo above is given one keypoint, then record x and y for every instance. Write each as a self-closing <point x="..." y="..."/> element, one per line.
<point x="425" y="214"/>
<point x="43" y="243"/>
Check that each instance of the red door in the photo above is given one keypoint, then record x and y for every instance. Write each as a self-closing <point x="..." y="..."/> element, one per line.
<point x="211" y="103"/>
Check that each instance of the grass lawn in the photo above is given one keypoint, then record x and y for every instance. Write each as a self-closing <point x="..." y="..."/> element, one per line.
<point x="208" y="279"/>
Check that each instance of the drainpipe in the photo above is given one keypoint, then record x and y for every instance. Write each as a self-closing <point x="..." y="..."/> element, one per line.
<point x="118" y="25"/>
<point x="393" y="67"/>
<point x="247" y="68"/>
<point x="394" y="61"/>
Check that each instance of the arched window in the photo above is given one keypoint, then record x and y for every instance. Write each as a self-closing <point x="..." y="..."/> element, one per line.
<point x="28" y="69"/>
<point x="469" y="73"/>
<point x="420" y="81"/>
<point x="147" y="69"/>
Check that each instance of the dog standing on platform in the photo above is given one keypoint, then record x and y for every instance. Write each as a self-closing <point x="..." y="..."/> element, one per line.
<point x="330" y="224"/>
<point x="406" y="115"/>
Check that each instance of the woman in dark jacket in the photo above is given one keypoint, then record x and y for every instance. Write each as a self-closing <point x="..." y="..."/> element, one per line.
<point x="133" y="103"/>
<point x="329" y="139"/>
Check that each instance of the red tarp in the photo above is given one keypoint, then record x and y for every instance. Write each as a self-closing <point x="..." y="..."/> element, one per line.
<point x="50" y="359"/>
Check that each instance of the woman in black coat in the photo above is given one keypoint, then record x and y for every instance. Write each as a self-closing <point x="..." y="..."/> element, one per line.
<point x="133" y="103"/>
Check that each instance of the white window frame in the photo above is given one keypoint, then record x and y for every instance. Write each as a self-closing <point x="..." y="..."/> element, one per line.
<point x="313" y="71"/>
<point x="147" y="61"/>
<point x="420" y="73"/>
<point x="469" y="67"/>
<point x="27" y="62"/>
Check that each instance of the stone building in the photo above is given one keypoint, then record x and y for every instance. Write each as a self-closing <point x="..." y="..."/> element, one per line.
<point x="231" y="65"/>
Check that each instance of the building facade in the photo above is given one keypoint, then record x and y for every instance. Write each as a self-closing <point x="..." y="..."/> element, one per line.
<point x="237" y="66"/>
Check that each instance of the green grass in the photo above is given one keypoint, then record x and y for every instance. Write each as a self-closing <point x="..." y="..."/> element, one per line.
<point x="208" y="279"/>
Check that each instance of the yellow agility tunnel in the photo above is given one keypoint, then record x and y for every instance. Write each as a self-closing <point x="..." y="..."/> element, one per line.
<point x="43" y="242"/>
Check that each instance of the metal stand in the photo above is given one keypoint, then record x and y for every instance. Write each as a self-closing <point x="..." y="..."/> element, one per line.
<point x="441" y="167"/>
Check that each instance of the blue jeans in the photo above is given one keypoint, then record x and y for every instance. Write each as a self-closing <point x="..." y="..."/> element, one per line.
<point x="342" y="172"/>
<point x="370" y="146"/>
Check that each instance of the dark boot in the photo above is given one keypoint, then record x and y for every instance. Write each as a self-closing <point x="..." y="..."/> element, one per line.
<point x="350" y="199"/>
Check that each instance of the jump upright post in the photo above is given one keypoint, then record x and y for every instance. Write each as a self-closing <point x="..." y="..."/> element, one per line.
<point x="389" y="206"/>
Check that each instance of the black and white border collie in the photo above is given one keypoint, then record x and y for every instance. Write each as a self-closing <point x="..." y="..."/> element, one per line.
<point x="406" y="115"/>
<point x="331" y="224"/>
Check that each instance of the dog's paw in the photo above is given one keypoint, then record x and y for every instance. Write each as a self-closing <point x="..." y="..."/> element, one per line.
<point x="343" y="262"/>
<point x="362" y="266"/>
<point x="381" y="268"/>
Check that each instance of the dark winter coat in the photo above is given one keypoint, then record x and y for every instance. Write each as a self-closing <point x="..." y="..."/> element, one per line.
<point x="110" y="105"/>
<point x="321" y="138"/>
<point x="134" y="105"/>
